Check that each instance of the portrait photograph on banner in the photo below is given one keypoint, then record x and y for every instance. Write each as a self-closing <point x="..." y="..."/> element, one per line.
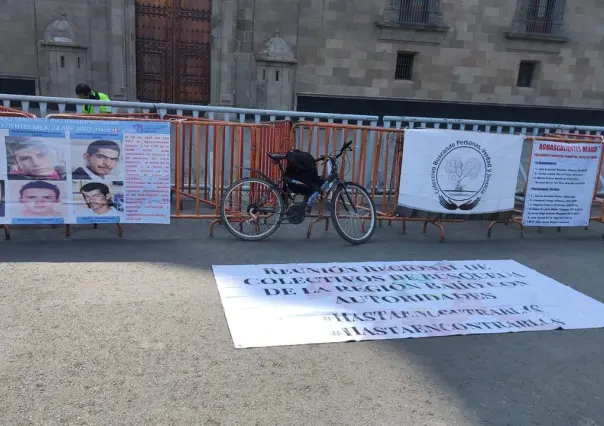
<point x="459" y="173"/>
<point x="37" y="201"/>
<point x="40" y="158"/>
<point x="95" y="202"/>
<point x="97" y="159"/>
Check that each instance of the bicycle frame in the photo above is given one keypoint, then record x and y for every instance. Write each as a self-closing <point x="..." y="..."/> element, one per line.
<point x="332" y="182"/>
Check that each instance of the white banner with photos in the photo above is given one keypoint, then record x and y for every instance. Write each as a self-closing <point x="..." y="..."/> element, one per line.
<point x="292" y="304"/>
<point x="77" y="172"/>
<point x="459" y="172"/>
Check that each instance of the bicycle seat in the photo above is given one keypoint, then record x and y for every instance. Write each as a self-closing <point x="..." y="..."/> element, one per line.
<point x="276" y="157"/>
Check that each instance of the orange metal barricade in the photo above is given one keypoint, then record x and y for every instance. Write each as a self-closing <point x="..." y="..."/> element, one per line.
<point x="572" y="136"/>
<point x="567" y="138"/>
<point x="275" y="136"/>
<point x="209" y="155"/>
<point x="374" y="163"/>
<point x="11" y="112"/>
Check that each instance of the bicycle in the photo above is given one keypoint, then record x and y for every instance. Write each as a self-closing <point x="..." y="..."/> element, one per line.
<point x="282" y="204"/>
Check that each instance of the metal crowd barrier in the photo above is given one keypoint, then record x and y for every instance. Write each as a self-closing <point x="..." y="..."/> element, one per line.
<point x="209" y="154"/>
<point x="10" y="112"/>
<point x="48" y="105"/>
<point x="375" y="161"/>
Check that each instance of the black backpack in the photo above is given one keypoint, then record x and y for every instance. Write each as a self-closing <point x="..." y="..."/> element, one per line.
<point x="302" y="167"/>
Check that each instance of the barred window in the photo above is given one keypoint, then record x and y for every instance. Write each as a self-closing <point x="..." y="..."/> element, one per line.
<point x="419" y="12"/>
<point x="404" y="66"/>
<point x="544" y="17"/>
<point x="526" y="73"/>
<point x="540" y="16"/>
<point x="414" y="11"/>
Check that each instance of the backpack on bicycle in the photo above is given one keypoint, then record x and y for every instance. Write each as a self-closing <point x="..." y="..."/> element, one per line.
<point x="302" y="167"/>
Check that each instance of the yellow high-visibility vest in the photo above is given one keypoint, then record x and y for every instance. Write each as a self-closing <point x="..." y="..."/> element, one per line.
<point x="89" y="109"/>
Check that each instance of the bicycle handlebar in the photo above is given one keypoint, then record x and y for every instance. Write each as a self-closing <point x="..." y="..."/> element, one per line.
<point x="345" y="147"/>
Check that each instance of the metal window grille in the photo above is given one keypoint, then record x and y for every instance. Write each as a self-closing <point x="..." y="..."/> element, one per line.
<point x="419" y="12"/>
<point x="540" y="16"/>
<point x="526" y="72"/>
<point x="414" y="11"/>
<point x="404" y="66"/>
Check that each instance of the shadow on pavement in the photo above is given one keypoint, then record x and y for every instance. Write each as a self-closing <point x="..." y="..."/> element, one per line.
<point x="547" y="378"/>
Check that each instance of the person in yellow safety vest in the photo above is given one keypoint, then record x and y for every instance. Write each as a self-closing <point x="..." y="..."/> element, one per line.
<point x="85" y="92"/>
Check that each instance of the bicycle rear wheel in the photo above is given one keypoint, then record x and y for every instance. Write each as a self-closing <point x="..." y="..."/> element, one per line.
<point x="353" y="213"/>
<point x="252" y="209"/>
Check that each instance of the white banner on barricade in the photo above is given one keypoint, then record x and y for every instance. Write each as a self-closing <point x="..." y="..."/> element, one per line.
<point x="272" y="305"/>
<point x="77" y="172"/>
<point x="459" y="172"/>
<point x="561" y="183"/>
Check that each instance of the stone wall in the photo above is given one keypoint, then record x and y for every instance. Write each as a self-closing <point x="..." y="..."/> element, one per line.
<point x="103" y="40"/>
<point x="339" y="47"/>
<point x="341" y="51"/>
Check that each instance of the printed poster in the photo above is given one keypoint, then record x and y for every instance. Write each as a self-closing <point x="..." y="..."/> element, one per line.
<point x="80" y="172"/>
<point x="561" y="183"/>
<point x="292" y="304"/>
<point x="459" y="172"/>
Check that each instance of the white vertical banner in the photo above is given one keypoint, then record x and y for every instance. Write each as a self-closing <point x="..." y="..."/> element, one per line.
<point x="561" y="183"/>
<point x="459" y="172"/>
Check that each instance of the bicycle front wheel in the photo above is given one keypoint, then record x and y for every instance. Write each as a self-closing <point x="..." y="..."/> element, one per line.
<point x="353" y="213"/>
<point x="252" y="209"/>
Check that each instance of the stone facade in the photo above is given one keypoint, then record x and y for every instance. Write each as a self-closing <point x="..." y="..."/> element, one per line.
<point x="344" y="48"/>
<point x="468" y="51"/>
<point x="60" y="43"/>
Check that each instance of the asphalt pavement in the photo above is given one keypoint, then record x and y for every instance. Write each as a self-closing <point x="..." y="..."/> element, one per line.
<point x="102" y="330"/>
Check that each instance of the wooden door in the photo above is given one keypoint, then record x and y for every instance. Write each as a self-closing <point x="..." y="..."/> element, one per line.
<point x="173" y="50"/>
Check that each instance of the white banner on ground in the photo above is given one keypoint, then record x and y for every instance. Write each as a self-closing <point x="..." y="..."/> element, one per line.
<point x="291" y="304"/>
<point x="459" y="172"/>
<point x="561" y="183"/>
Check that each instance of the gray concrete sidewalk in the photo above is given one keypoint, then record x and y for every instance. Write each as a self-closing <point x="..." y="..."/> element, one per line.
<point x="99" y="330"/>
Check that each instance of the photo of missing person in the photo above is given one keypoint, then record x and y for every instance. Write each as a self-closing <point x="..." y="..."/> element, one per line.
<point x="93" y="199"/>
<point x="30" y="158"/>
<point x="98" y="160"/>
<point x="37" y="199"/>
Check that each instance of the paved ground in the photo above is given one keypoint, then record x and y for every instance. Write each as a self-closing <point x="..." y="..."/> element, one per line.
<point x="105" y="331"/>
